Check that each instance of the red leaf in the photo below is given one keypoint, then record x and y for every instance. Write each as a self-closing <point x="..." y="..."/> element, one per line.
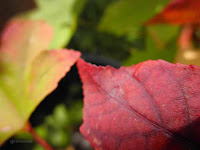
<point x="150" y="106"/>
<point x="179" y="12"/>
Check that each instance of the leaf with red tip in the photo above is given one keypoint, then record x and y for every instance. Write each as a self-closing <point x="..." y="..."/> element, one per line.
<point x="28" y="72"/>
<point x="179" y="12"/>
<point x="150" y="106"/>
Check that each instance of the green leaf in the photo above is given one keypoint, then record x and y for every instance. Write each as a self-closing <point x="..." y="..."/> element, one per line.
<point x="162" y="34"/>
<point x="124" y="17"/>
<point x="27" y="71"/>
<point x="160" y="44"/>
<point x="61" y="15"/>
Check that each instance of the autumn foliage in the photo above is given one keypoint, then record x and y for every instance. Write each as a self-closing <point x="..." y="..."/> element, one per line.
<point x="153" y="105"/>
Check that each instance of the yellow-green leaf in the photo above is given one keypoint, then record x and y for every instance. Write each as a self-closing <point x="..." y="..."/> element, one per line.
<point x="28" y="72"/>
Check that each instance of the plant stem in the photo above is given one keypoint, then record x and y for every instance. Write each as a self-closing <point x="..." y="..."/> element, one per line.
<point x="36" y="137"/>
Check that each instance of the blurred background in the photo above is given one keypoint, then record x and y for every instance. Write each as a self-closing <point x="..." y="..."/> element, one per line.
<point x="107" y="32"/>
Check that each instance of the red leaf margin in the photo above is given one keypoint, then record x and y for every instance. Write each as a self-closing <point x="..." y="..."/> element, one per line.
<point x="165" y="112"/>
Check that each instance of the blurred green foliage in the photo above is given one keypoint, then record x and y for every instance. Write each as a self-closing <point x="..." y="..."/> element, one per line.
<point x="88" y="39"/>
<point x="58" y="127"/>
<point x="160" y="43"/>
<point x="118" y="31"/>
<point x="126" y="16"/>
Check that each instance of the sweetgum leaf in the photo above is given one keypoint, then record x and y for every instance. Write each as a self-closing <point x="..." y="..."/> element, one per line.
<point x="27" y="71"/>
<point x="152" y="105"/>
<point x="179" y="12"/>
